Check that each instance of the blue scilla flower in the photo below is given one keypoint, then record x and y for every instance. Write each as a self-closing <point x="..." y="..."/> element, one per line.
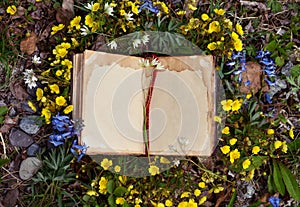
<point x="56" y="139"/>
<point x="262" y="53"/>
<point x="149" y="6"/>
<point x="62" y="123"/>
<point x="78" y="150"/>
<point x="274" y="201"/>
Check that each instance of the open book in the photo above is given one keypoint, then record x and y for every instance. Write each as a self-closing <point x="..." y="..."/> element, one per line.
<point x="110" y="94"/>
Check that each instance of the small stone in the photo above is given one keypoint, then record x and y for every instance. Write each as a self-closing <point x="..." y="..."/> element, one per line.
<point x="19" y="138"/>
<point x="12" y="112"/>
<point x="33" y="150"/>
<point x="29" y="167"/>
<point x="30" y="124"/>
<point x="26" y="107"/>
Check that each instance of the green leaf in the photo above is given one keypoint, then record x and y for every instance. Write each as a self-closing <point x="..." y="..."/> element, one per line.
<point x="3" y="162"/>
<point x="271" y="185"/>
<point x="295" y="71"/>
<point x="272" y="46"/>
<point x="278" y="178"/>
<point x="111" y="201"/>
<point x="290" y="182"/>
<point x="294" y="145"/>
<point x="119" y="191"/>
<point x="279" y="61"/>
<point x="3" y="110"/>
<point x="1" y="119"/>
<point x="110" y="186"/>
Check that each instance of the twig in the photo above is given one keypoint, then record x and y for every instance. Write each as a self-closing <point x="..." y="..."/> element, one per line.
<point x="4" y="146"/>
<point x="10" y="173"/>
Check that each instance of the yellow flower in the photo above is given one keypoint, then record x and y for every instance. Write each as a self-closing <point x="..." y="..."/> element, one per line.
<point x="255" y="150"/>
<point x="234" y="155"/>
<point x="120" y="200"/>
<point x="227" y="104"/>
<point x="164" y="160"/>
<point x="47" y="114"/>
<point x="228" y="23"/>
<point x="212" y="46"/>
<point x="60" y="101"/>
<point x="236" y="105"/>
<point x="191" y="7"/>
<point x="239" y="29"/>
<point x="58" y="73"/>
<point x="122" y="12"/>
<point x="103" y="185"/>
<point x="54" y="88"/>
<point x="117" y="168"/>
<point x="75" y="23"/>
<point x="88" y="21"/>
<point x="95" y="7"/>
<point x="67" y="63"/>
<point x="284" y="147"/>
<point x="270" y="131"/>
<point x="219" y="11"/>
<point x="74" y="42"/>
<point x="234" y="36"/>
<point x="201" y="185"/>
<point x="204" y="17"/>
<point x="181" y="12"/>
<point x="55" y="29"/>
<point x="226" y="130"/>
<point x="217" y="119"/>
<point x="238" y="45"/>
<point x="32" y="106"/>
<point x="197" y="192"/>
<point x="291" y="133"/>
<point x="214" y="26"/>
<point x="11" y="9"/>
<point x="39" y="94"/>
<point x="249" y="95"/>
<point x="277" y="144"/>
<point x="232" y="141"/>
<point x="68" y="109"/>
<point x="92" y="193"/>
<point x="246" y="164"/>
<point x="185" y="195"/>
<point x="218" y="189"/>
<point x="168" y="203"/>
<point x="106" y="163"/>
<point x="153" y="170"/>
<point x="202" y="200"/>
<point x="160" y="205"/>
<point x="225" y="149"/>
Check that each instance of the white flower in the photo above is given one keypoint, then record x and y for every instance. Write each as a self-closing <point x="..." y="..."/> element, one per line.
<point x="144" y="62"/>
<point x="89" y="6"/>
<point x="36" y="60"/>
<point x="176" y="162"/>
<point x="128" y="16"/>
<point x="108" y="9"/>
<point x="84" y="30"/>
<point x="159" y="66"/>
<point x="145" y="38"/>
<point x="136" y="43"/>
<point x="183" y="141"/>
<point x="30" y="78"/>
<point x="154" y="62"/>
<point x="112" y="45"/>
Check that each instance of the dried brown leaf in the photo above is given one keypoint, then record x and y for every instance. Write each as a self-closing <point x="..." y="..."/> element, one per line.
<point x="29" y="44"/>
<point x="64" y="16"/>
<point x="18" y="91"/>
<point x="68" y="5"/>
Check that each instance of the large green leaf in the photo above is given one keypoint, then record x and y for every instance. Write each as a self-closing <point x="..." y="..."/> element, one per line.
<point x="110" y="186"/>
<point x="290" y="182"/>
<point x="111" y="201"/>
<point x="119" y="191"/>
<point x="278" y="178"/>
<point x="3" y="110"/>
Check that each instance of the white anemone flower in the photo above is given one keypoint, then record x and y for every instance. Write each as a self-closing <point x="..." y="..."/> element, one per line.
<point x="144" y="62"/>
<point x="136" y="43"/>
<point x="84" y="30"/>
<point x="145" y="38"/>
<point x="108" y="9"/>
<point x="113" y="45"/>
<point x="30" y="79"/>
<point x="128" y="16"/>
<point x="36" y="59"/>
<point x="89" y="6"/>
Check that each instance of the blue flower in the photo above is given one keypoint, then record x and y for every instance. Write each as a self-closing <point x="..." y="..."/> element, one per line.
<point x="62" y="123"/>
<point x="261" y="54"/>
<point x="78" y="150"/>
<point x="149" y="6"/>
<point x="56" y="139"/>
<point x="274" y="201"/>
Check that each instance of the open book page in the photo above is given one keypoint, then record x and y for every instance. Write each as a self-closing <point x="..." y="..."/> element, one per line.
<point x="110" y="92"/>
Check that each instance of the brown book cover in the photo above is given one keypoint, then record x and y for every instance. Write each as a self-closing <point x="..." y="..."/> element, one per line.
<point x="111" y="91"/>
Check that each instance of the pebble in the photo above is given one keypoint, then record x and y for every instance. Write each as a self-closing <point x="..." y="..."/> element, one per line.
<point x="26" y="108"/>
<point x="30" y="124"/>
<point x="29" y="167"/>
<point x="33" y="150"/>
<point x="19" y="138"/>
<point x="12" y="112"/>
